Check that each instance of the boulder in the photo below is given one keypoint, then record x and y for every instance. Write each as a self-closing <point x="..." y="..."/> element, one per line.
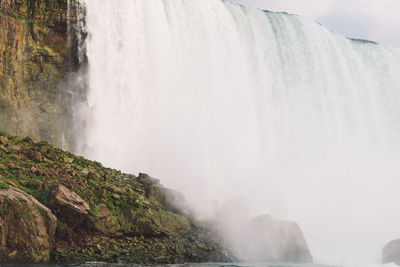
<point x="262" y="238"/>
<point x="265" y="239"/>
<point x="391" y="252"/>
<point x="27" y="228"/>
<point x="151" y="223"/>
<point x="4" y="140"/>
<point x="68" y="206"/>
<point x="104" y="222"/>
<point x="172" y="200"/>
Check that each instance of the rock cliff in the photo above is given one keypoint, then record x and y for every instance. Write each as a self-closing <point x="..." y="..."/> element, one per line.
<point x="391" y="252"/>
<point x="55" y="206"/>
<point x="262" y="238"/>
<point x="39" y="53"/>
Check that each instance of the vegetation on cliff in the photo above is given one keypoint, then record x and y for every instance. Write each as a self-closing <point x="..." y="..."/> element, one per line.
<point x="102" y="214"/>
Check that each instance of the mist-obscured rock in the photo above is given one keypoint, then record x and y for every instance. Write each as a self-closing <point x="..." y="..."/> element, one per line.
<point x="266" y="239"/>
<point x="260" y="239"/>
<point x="27" y="228"/>
<point x="391" y="252"/>
<point x="171" y="199"/>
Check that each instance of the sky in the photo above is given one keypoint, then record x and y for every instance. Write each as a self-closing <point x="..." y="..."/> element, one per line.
<point x="375" y="20"/>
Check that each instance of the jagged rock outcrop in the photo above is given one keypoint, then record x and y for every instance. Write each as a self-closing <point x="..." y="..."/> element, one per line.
<point x="103" y="214"/>
<point x="391" y="252"/>
<point x="260" y="239"/>
<point x="27" y="228"/>
<point x="38" y="56"/>
<point x="270" y="240"/>
<point x="68" y="206"/>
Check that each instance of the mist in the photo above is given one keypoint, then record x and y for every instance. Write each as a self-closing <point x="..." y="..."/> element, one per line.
<point x="221" y="101"/>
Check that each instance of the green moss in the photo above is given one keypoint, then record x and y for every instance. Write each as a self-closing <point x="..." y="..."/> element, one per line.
<point x="30" y="215"/>
<point x="42" y="195"/>
<point x="62" y="223"/>
<point x="115" y="211"/>
<point x="4" y="186"/>
<point x="93" y="211"/>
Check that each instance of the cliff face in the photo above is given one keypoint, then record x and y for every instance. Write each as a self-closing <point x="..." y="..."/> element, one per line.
<point x="38" y="55"/>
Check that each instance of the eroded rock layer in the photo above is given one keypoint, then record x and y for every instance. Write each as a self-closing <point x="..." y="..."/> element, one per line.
<point x="38" y="55"/>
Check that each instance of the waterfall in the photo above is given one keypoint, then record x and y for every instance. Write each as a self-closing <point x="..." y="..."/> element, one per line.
<point x="220" y="100"/>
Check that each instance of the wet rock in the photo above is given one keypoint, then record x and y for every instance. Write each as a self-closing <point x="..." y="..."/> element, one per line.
<point x="123" y="218"/>
<point x="4" y="140"/>
<point x="170" y="199"/>
<point x="93" y="176"/>
<point x="4" y="149"/>
<point x="27" y="228"/>
<point x="391" y="252"/>
<point x="16" y="148"/>
<point x="28" y="140"/>
<point x="34" y="170"/>
<point x="45" y="149"/>
<point x="36" y="156"/>
<point x="154" y="223"/>
<point x="269" y="240"/>
<point x="104" y="222"/>
<point x="38" y="44"/>
<point x="147" y="179"/>
<point x="68" y="206"/>
<point x="260" y="239"/>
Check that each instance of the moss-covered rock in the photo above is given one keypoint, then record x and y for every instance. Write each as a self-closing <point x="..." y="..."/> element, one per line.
<point x="103" y="214"/>
<point x="38" y="53"/>
<point x="27" y="228"/>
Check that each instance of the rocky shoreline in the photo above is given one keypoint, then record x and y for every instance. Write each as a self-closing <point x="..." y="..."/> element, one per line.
<point x="57" y="207"/>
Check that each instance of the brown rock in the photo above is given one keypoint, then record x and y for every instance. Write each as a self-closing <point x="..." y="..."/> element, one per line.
<point x="3" y="148"/>
<point x="34" y="170"/>
<point x="11" y="183"/>
<point x="68" y="206"/>
<point x="16" y="148"/>
<point x="27" y="228"/>
<point x="36" y="156"/>
<point x="104" y="222"/>
<point x="45" y="149"/>
<point x="103" y="192"/>
<point x="93" y="176"/>
<point x="28" y="140"/>
<point x="4" y="140"/>
<point x="12" y="165"/>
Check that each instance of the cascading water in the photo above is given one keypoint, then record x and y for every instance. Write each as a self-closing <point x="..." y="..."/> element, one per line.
<point x="220" y="100"/>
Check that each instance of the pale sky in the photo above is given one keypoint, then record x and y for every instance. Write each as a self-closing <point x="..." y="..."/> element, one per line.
<point x="375" y="20"/>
